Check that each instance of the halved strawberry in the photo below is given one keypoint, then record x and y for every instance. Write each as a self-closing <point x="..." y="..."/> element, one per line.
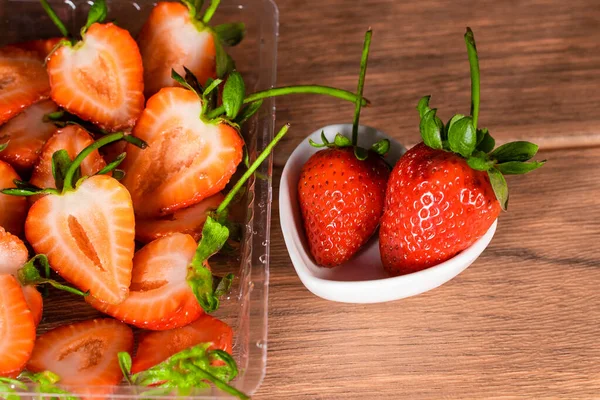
<point x="156" y="347"/>
<point x="13" y="253"/>
<point x="159" y="296"/>
<point x="17" y="328"/>
<point x="34" y="301"/>
<point x="99" y="79"/>
<point x="188" y="220"/>
<point x="73" y="139"/>
<point x="13" y="210"/>
<point x="88" y="235"/>
<point x="23" y="81"/>
<point x="42" y="47"/>
<point x="187" y="159"/>
<point x="26" y="134"/>
<point x="83" y="354"/>
<point x="172" y="38"/>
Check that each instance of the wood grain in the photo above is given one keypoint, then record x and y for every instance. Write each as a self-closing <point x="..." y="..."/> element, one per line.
<point x="540" y="65"/>
<point x="523" y="321"/>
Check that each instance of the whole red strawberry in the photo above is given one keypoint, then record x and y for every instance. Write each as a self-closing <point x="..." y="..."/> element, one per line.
<point x="445" y="193"/>
<point x="341" y="198"/>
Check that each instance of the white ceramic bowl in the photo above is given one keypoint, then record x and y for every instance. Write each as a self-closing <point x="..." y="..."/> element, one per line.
<point x="362" y="279"/>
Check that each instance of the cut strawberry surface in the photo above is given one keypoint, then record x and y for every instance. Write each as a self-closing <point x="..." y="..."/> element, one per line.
<point x="73" y="139"/>
<point x="13" y="253"/>
<point x="17" y="328"/>
<point x="88" y="236"/>
<point x="23" y="81"/>
<point x="99" y="79"/>
<point x="159" y="296"/>
<point x="34" y="301"/>
<point x="188" y="220"/>
<point x="26" y="134"/>
<point x="156" y="347"/>
<point x="171" y="39"/>
<point x="187" y="159"/>
<point x="13" y="210"/>
<point x="83" y="354"/>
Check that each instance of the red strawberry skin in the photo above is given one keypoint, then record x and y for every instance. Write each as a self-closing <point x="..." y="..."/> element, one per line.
<point x="436" y="206"/>
<point x="341" y="199"/>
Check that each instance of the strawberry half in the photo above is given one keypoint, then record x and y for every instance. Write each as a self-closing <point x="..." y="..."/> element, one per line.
<point x="73" y="139"/>
<point x="83" y="354"/>
<point x="35" y="302"/>
<point x="13" y="253"/>
<point x="100" y="78"/>
<point x="13" y="210"/>
<point x="169" y="175"/>
<point x="156" y="347"/>
<point x="26" y="134"/>
<point x="159" y="296"/>
<point x="171" y="39"/>
<point x="17" y="333"/>
<point x="188" y="220"/>
<point x="23" y="81"/>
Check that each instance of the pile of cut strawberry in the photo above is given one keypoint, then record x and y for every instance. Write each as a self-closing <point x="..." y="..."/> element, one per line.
<point x="116" y="156"/>
<point x="440" y="198"/>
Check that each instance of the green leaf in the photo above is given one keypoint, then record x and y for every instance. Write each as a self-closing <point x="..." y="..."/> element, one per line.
<point x="222" y="60"/>
<point x="231" y="34"/>
<point x="515" y="151"/>
<point x="423" y="106"/>
<point x="342" y="141"/>
<point x="381" y="147"/>
<point x="190" y="368"/>
<point x="191" y="7"/>
<point x="4" y="146"/>
<point x="212" y="85"/>
<point x="97" y="13"/>
<point x="192" y="80"/>
<point x="181" y="80"/>
<point x="199" y="277"/>
<point x="29" y="275"/>
<point x="360" y="153"/>
<point x="222" y="286"/>
<point x="54" y="17"/>
<point x="519" y="167"/>
<point x="247" y="112"/>
<point x="487" y="142"/>
<point x="453" y="121"/>
<point x="233" y="94"/>
<point x="478" y="163"/>
<point x="125" y="365"/>
<point x="431" y="130"/>
<point x="500" y="187"/>
<point x="113" y="165"/>
<point x="136" y="141"/>
<point x="118" y="174"/>
<point x="61" y="161"/>
<point x="462" y="137"/>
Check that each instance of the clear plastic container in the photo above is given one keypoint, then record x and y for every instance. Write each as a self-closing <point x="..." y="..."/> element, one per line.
<point x="246" y="309"/>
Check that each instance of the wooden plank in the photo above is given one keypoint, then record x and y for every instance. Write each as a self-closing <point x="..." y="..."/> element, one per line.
<point x="522" y="321"/>
<point x="540" y="63"/>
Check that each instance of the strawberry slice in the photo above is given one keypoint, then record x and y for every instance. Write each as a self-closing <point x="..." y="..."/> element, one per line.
<point x="23" y="81"/>
<point x="73" y="139"/>
<point x="171" y="38"/>
<point x="34" y="301"/>
<point x="159" y="296"/>
<point x="83" y="354"/>
<point x="17" y="328"/>
<point x="88" y="235"/>
<point x="42" y="47"/>
<point x="13" y="253"/>
<point x="26" y="134"/>
<point x="13" y="210"/>
<point x="169" y="174"/>
<point x="100" y="79"/>
<point x="188" y="220"/>
<point x="156" y="347"/>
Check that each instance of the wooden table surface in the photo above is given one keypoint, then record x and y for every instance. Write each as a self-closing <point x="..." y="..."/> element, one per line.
<point x="524" y="320"/>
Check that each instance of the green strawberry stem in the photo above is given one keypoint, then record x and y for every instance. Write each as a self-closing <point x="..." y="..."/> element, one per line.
<point x="475" y="82"/>
<point x="55" y="19"/>
<point x="210" y="11"/>
<point x="300" y="89"/>
<point x="240" y="183"/>
<point x="361" y="84"/>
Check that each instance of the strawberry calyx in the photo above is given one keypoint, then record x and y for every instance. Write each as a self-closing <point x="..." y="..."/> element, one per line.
<point x="28" y="274"/>
<point x="97" y="14"/>
<point x="46" y="382"/>
<point x="207" y="287"/>
<point x="63" y="118"/>
<point x="462" y="136"/>
<point x="4" y="145"/>
<point x="183" y="371"/>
